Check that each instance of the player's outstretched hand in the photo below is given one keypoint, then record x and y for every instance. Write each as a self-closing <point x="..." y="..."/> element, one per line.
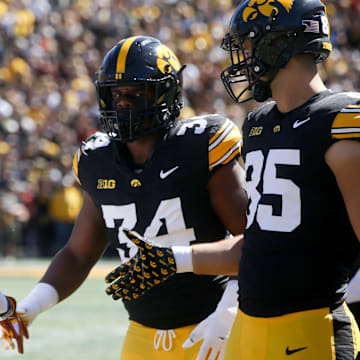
<point x="150" y="266"/>
<point x="13" y="328"/>
<point x="214" y="331"/>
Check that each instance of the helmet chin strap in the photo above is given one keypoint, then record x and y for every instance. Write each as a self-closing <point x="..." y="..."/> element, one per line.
<point x="261" y="90"/>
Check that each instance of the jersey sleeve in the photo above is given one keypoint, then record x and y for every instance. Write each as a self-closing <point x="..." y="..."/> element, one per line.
<point x="75" y="167"/>
<point x="346" y="124"/>
<point x="224" y="144"/>
<point x="86" y="156"/>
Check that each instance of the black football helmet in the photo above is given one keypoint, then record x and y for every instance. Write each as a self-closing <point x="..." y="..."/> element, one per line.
<point x="144" y="62"/>
<point x="276" y="30"/>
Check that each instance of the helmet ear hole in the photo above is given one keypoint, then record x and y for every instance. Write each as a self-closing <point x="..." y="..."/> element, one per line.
<point x="274" y="51"/>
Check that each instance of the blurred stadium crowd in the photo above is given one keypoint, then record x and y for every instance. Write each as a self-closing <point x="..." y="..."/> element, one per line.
<point x="50" y="51"/>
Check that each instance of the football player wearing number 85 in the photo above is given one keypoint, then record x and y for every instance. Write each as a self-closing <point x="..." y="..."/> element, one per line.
<point x="176" y="182"/>
<point x="302" y="175"/>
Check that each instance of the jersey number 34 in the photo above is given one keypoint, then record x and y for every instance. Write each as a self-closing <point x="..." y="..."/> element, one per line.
<point x="169" y="212"/>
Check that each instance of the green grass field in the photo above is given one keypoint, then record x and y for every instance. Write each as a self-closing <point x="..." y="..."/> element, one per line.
<point x="88" y="325"/>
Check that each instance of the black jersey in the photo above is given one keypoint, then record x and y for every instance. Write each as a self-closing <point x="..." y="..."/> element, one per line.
<point x="166" y="201"/>
<point x="299" y="245"/>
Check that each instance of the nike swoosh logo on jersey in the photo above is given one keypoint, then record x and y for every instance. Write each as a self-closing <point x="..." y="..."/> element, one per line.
<point x="290" y="352"/>
<point x="298" y="123"/>
<point x="165" y="174"/>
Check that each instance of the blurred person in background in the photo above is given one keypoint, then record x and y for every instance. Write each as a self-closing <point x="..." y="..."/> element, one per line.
<point x="51" y="49"/>
<point x="176" y="181"/>
<point x="64" y="207"/>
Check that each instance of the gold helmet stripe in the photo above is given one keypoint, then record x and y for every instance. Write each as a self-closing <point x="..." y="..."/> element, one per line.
<point x="121" y="60"/>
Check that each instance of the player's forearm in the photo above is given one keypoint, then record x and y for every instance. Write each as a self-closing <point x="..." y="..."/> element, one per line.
<point x="217" y="258"/>
<point x="67" y="272"/>
<point x="64" y="275"/>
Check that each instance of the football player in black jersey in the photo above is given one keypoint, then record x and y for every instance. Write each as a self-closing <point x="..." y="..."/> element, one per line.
<point x="302" y="175"/>
<point x="174" y="181"/>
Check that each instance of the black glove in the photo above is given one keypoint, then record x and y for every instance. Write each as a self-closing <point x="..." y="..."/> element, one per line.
<point x="150" y="266"/>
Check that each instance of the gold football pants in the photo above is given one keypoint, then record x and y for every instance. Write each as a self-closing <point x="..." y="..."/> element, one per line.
<point x="145" y="343"/>
<point x="318" y="334"/>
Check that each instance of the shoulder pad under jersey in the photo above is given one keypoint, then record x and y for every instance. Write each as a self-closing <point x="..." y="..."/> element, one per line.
<point x="92" y="143"/>
<point x="262" y="110"/>
<point x="223" y="136"/>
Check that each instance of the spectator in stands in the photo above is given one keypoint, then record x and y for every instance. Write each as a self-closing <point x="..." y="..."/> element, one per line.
<point x="49" y="51"/>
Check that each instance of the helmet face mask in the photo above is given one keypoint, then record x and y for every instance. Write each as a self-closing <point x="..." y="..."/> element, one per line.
<point x="274" y="31"/>
<point x="245" y="68"/>
<point x="148" y="75"/>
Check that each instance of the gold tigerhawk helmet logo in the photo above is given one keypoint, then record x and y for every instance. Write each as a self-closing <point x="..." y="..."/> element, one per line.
<point x="265" y="8"/>
<point x="167" y="61"/>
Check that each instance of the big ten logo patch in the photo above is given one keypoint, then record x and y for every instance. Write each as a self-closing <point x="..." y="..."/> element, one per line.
<point x="106" y="184"/>
<point x="256" y="130"/>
